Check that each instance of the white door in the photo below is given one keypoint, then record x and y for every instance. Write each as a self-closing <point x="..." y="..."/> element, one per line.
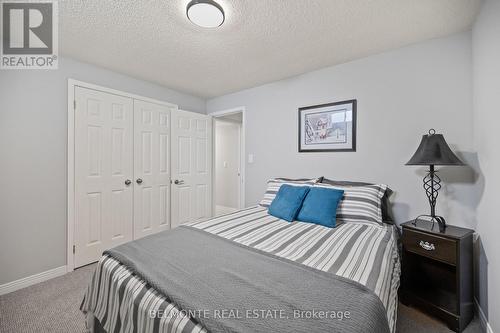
<point x="151" y="168"/>
<point x="191" y="167"/>
<point x="103" y="173"/>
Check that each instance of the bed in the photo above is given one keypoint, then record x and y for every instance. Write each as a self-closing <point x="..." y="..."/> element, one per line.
<point x="128" y="292"/>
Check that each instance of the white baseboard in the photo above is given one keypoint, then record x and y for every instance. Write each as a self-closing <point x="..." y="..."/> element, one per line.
<point x="482" y="318"/>
<point x="31" y="280"/>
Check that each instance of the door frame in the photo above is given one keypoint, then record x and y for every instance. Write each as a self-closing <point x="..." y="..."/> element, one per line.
<point x="70" y="224"/>
<point x="218" y="114"/>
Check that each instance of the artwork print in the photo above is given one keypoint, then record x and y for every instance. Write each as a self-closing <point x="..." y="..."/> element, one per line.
<point x="328" y="127"/>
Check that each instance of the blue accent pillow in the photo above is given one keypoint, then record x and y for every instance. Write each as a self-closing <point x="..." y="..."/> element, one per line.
<point x="320" y="206"/>
<point x="288" y="200"/>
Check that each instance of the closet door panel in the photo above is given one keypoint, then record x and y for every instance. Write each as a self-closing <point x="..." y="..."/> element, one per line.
<point x="191" y="167"/>
<point x="103" y="163"/>
<point x="151" y="168"/>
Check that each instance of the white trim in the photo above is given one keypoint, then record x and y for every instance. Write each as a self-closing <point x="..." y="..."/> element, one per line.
<point x="71" y="177"/>
<point x="241" y="201"/>
<point x="217" y="114"/>
<point x="72" y="83"/>
<point x="482" y="317"/>
<point x="221" y="113"/>
<point x="31" y="280"/>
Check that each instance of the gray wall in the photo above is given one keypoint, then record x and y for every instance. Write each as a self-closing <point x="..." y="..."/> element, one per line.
<point x="486" y="66"/>
<point x="33" y="127"/>
<point x="401" y="94"/>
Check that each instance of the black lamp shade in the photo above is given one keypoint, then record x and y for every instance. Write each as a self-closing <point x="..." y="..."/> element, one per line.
<point x="433" y="150"/>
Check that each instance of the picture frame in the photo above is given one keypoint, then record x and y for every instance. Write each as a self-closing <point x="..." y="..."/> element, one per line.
<point x="328" y="127"/>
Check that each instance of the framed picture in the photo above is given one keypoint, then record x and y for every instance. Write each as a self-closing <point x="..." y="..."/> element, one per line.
<point x="328" y="127"/>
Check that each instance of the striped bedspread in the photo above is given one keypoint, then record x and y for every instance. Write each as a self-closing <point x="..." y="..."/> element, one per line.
<point x="363" y="252"/>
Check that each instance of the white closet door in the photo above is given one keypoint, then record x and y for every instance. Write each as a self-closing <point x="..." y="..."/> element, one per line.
<point x="103" y="168"/>
<point x="191" y="167"/>
<point x="151" y="168"/>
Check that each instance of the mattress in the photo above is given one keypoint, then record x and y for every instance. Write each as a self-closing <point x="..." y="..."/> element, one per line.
<point x="363" y="252"/>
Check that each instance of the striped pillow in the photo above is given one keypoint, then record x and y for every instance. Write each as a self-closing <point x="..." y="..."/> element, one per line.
<point x="387" y="215"/>
<point x="360" y="203"/>
<point x="274" y="184"/>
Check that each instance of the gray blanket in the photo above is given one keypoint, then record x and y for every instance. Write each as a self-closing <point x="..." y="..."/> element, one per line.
<point x="228" y="287"/>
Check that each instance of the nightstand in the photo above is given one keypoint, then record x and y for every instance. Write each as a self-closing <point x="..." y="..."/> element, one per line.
<point x="436" y="272"/>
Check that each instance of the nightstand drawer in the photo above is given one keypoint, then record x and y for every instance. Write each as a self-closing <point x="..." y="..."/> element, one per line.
<point x="430" y="246"/>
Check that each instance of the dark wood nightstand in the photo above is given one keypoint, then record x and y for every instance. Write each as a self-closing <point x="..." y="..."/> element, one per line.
<point x="436" y="272"/>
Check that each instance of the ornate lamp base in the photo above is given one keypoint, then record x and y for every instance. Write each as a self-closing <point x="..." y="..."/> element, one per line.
<point x="439" y="219"/>
<point x="432" y="185"/>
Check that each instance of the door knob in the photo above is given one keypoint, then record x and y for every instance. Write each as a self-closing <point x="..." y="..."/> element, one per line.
<point x="128" y="182"/>
<point x="178" y="182"/>
<point x="139" y="181"/>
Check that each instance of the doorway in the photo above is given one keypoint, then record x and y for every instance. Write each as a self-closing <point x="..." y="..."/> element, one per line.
<point x="228" y="128"/>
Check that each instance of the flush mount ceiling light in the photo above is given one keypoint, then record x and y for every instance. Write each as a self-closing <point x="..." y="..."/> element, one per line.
<point x="205" y="13"/>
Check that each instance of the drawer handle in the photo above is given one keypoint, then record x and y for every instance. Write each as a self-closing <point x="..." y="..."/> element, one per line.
<point x="427" y="246"/>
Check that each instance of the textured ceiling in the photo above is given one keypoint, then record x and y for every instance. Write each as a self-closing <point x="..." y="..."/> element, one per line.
<point x="261" y="40"/>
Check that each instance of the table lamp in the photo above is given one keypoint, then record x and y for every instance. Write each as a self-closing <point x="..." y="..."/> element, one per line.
<point x="433" y="150"/>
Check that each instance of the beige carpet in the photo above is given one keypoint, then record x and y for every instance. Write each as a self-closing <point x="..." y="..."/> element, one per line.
<point x="52" y="306"/>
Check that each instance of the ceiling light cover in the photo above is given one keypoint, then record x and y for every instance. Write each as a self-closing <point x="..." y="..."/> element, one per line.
<point x="205" y="13"/>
